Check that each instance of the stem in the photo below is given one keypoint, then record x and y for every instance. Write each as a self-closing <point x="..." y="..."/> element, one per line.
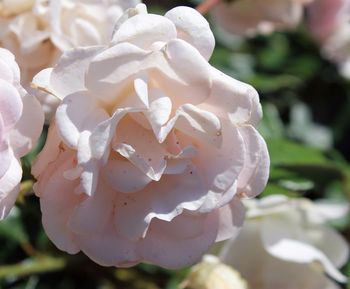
<point x="207" y="5"/>
<point x="32" y="266"/>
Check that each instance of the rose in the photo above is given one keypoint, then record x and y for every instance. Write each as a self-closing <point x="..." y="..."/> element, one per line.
<point x="328" y="22"/>
<point x="323" y="17"/>
<point x="13" y="7"/>
<point x="39" y="31"/>
<point x="286" y="243"/>
<point x="152" y="148"/>
<point x="85" y="22"/>
<point x="21" y="122"/>
<point x="249" y="17"/>
<point x="211" y="273"/>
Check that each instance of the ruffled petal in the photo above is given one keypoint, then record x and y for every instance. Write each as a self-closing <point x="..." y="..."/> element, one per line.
<point x="68" y="76"/>
<point x="72" y="116"/>
<point x="163" y="248"/>
<point x="233" y="100"/>
<point x="253" y="178"/>
<point x="143" y="30"/>
<point x="193" y="28"/>
<point x="163" y="200"/>
<point x="225" y="162"/>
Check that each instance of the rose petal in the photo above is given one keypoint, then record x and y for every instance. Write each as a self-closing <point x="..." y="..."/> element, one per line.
<point x="144" y="29"/>
<point x="91" y="215"/>
<point x="285" y="243"/>
<point x="193" y="28"/>
<point x="68" y="75"/>
<point x="57" y="202"/>
<point x="124" y="177"/>
<point x="253" y="178"/>
<point x="28" y="128"/>
<point x="163" y="200"/>
<point x="231" y="218"/>
<point x="9" y="187"/>
<point x="11" y="105"/>
<point x="233" y="100"/>
<point x="160" y="247"/>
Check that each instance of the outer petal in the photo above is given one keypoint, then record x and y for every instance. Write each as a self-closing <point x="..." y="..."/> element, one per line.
<point x="92" y="215"/>
<point x="49" y="153"/>
<point x="57" y="202"/>
<point x="9" y="187"/>
<point x="253" y="178"/>
<point x="163" y="247"/>
<point x="10" y="104"/>
<point x="193" y="27"/>
<point x="233" y="100"/>
<point x="163" y="200"/>
<point x="108" y="249"/>
<point x="231" y="220"/>
<point x="220" y="177"/>
<point x="27" y="130"/>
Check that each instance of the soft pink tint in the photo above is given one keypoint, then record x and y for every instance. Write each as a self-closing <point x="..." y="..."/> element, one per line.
<point x="323" y="17"/>
<point x="152" y="149"/>
<point x="249" y="17"/>
<point x="21" y="121"/>
<point x="329" y="23"/>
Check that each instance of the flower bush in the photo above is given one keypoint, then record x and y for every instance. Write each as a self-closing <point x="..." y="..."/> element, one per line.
<point x="21" y="122"/>
<point x="152" y="148"/>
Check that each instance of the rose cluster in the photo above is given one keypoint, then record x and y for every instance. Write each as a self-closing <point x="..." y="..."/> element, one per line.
<point x="152" y="148"/>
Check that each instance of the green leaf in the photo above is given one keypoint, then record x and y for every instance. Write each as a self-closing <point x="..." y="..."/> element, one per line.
<point x="12" y="229"/>
<point x="284" y="152"/>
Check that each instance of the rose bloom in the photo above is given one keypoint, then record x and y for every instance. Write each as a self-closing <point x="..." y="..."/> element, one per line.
<point x="210" y="273"/>
<point x="249" y="17"/>
<point x="37" y="32"/>
<point x="286" y="243"/>
<point x="21" y="121"/>
<point x="152" y="149"/>
<point x="328" y="22"/>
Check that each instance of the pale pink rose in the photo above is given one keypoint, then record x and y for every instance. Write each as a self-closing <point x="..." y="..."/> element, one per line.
<point x="37" y="32"/>
<point x="323" y="17"/>
<point x="329" y="23"/>
<point x="286" y="243"/>
<point x="249" y="17"/>
<point x="152" y="148"/>
<point x="21" y="121"/>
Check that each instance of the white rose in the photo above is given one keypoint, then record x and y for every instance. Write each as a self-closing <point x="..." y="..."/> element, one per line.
<point x="152" y="148"/>
<point x="286" y="243"/>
